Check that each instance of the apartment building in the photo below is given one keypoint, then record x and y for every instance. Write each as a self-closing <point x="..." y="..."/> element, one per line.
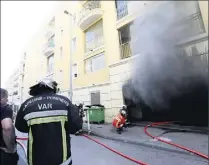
<point x="104" y="55"/>
<point x="14" y="86"/>
<point x="99" y="36"/>
<point x="48" y="51"/>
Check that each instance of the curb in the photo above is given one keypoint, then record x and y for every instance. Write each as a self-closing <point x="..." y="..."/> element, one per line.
<point x="139" y="143"/>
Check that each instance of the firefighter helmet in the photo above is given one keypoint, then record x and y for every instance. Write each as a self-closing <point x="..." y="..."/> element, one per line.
<point x="124" y="107"/>
<point x="123" y="112"/>
<point x="47" y="83"/>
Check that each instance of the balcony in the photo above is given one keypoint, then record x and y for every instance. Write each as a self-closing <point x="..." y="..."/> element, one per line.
<point x="15" y="85"/>
<point x="49" y="33"/>
<point x="94" y="43"/>
<point x="125" y="50"/>
<point x="22" y="70"/>
<point x="191" y="27"/>
<point x="90" y="13"/>
<point x="48" y="48"/>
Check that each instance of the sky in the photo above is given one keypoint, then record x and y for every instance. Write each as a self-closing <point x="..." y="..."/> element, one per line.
<point x="20" y="20"/>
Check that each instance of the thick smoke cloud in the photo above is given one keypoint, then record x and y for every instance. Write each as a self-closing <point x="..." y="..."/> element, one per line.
<point x="161" y="71"/>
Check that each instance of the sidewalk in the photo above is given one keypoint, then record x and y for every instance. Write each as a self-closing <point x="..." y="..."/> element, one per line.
<point x="135" y="135"/>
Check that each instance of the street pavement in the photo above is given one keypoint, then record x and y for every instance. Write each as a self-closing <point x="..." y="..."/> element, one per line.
<point x="135" y="135"/>
<point x="150" y="156"/>
<point x="87" y="152"/>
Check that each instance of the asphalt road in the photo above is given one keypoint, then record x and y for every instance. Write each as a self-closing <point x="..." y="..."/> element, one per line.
<point x="86" y="152"/>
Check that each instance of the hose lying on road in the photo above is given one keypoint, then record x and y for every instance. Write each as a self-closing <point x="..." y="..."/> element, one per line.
<point x="127" y="157"/>
<point x="22" y="138"/>
<point x="23" y="147"/>
<point x="170" y="143"/>
<point x="90" y="138"/>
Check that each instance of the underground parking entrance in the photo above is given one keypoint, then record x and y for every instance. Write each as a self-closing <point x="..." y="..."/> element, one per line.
<point x="190" y="108"/>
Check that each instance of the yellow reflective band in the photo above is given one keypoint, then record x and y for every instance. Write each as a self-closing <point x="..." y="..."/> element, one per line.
<point x="44" y="120"/>
<point x="30" y="147"/>
<point x="64" y="145"/>
<point x="47" y="120"/>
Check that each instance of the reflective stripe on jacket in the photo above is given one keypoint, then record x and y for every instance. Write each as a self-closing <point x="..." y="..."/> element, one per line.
<point x="48" y="120"/>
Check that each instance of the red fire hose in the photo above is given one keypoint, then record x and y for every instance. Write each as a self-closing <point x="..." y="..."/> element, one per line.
<point x="127" y="157"/>
<point x="170" y="143"/>
<point x="88" y="137"/>
<point x="23" y="147"/>
<point x="22" y="138"/>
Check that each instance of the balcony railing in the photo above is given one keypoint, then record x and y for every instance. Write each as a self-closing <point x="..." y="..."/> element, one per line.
<point x="195" y="24"/>
<point x="204" y="57"/>
<point x="49" y="44"/>
<point x="88" y="6"/>
<point x="122" y="9"/>
<point x="125" y="50"/>
<point x="190" y="26"/>
<point x="94" y="43"/>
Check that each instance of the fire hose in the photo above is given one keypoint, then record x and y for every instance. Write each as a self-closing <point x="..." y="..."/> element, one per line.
<point x="130" y="158"/>
<point x="90" y="138"/>
<point x="127" y="157"/>
<point x="170" y="143"/>
<point x="23" y="147"/>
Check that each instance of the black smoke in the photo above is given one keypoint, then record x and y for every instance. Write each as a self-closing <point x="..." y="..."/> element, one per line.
<point x="166" y="82"/>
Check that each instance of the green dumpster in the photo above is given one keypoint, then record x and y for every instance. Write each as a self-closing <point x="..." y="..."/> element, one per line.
<point x="96" y="114"/>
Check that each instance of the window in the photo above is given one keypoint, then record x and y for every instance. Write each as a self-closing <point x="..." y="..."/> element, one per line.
<point x="122" y="8"/>
<point x="61" y="51"/>
<point x="125" y="38"/>
<point x="74" y="19"/>
<point x="75" y="71"/>
<point x="94" y="37"/>
<point x="95" y="98"/>
<point x="95" y="63"/>
<point x="125" y="34"/>
<point x="60" y="76"/>
<point x="50" y="42"/>
<point x="73" y="44"/>
<point x="50" y="64"/>
<point x="52" y="22"/>
<point x="24" y="55"/>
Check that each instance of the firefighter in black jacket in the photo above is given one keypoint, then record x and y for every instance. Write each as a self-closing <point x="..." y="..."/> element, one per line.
<point x="48" y="119"/>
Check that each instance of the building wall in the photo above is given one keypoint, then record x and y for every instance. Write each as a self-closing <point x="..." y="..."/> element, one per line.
<point x="109" y="80"/>
<point x="36" y="61"/>
<point x="13" y="85"/>
<point x="204" y="10"/>
<point x="83" y="95"/>
<point x="119" y="74"/>
<point x="33" y="67"/>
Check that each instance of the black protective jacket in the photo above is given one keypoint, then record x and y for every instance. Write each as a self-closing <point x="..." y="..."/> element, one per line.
<point x="5" y="112"/>
<point x="48" y="119"/>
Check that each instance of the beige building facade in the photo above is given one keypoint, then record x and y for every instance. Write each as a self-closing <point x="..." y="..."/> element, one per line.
<point x="99" y="36"/>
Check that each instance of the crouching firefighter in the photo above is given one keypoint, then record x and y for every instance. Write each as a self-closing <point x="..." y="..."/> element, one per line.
<point x="48" y="119"/>
<point x="119" y="121"/>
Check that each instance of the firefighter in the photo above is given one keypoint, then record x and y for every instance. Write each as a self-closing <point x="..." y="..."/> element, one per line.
<point x="48" y="119"/>
<point x="81" y="114"/>
<point x="119" y="121"/>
